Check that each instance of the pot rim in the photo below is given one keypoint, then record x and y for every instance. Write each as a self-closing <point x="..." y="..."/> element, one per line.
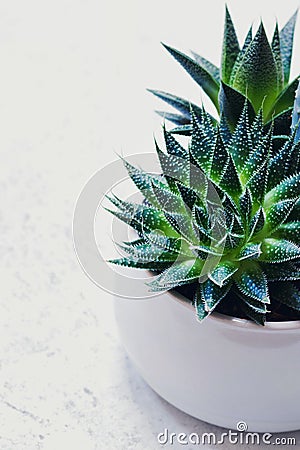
<point x="236" y="321"/>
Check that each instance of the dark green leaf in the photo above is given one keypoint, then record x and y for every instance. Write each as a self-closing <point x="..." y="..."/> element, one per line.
<point x="219" y="159"/>
<point x="213" y="294"/>
<point x="240" y="57"/>
<point x="286" y="190"/>
<point x="258" y="318"/>
<point x="198" y="73"/>
<point x="245" y="204"/>
<point x="277" y="57"/>
<point x="282" y="271"/>
<point x="257" y="74"/>
<point x="178" y="274"/>
<point x="231" y="48"/>
<point x="207" y="65"/>
<point x="286" y="45"/>
<point x="177" y="119"/>
<point x="257" y="222"/>
<point x="241" y="145"/>
<point x="257" y="156"/>
<point x="183" y="130"/>
<point x="252" y="282"/>
<point x="278" y="250"/>
<point x="173" y="147"/>
<point x="223" y="272"/>
<point x="278" y="214"/>
<point x="285" y="99"/>
<point x="232" y="104"/>
<point x="258" y="182"/>
<point x="139" y="264"/>
<point x="201" y="145"/>
<point x="290" y="231"/>
<point x="286" y="293"/>
<point x="178" y="103"/>
<point x="250" y="251"/>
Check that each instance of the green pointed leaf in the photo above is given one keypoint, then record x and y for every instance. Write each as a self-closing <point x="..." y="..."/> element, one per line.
<point x="202" y="77"/>
<point x="168" y="201"/>
<point x="169" y="244"/>
<point x="256" y="130"/>
<point x="200" y="307"/>
<point x="289" y="231"/>
<point x="257" y="317"/>
<point x="257" y="74"/>
<point x="178" y="274"/>
<point x="240" y="57"/>
<point x="219" y="159"/>
<point x="232" y="104"/>
<point x="177" y="119"/>
<point x="252" y="282"/>
<point x="241" y="146"/>
<point x="245" y="204"/>
<point x="257" y="156"/>
<point x="286" y="45"/>
<point x="178" y="103"/>
<point x="149" y="253"/>
<point x="231" y="48"/>
<point x="230" y="181"/>
<point x="286" y="293"/>
<point x="258" y="183"/>
<point x="182" y="224"/>
<point x="281" y="123"/>
<point x="213" y="294"/>
<point x="174" y="169"/>
<point x="183" y="130"/>
<point x="287" y="190"/>
<point x="250" y="251"/>
<point x="285" y="99"/>
<point x="278" y="214"/>
<point x="201" y="216"/>
<point x="285" y="271"/>
<point x="173" y="147"/>
<point x="257" y="222"/>
<point x="224" y="129"/>
<point x="277" y="57"/>
<point x="188" y="195"/>
<point x="232" y="241"/>
<point x="126" y="262"/>
<point x="295" y="214"/>
<point x="284" y="163"/>
<point x="278" y="250"/>
<point x="207" y="65"/>
<point x="223" y="272"/>
<point x="254" y="305"/>
<point x="201" y="146"/>
<point x="236" y="227"/>
<point x="144" y="219"/>
<point x="144" y="181"/>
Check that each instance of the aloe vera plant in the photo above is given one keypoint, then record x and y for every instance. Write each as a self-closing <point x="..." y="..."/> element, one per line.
<point x="247" y="243"/>
<point x="258" y="71"/>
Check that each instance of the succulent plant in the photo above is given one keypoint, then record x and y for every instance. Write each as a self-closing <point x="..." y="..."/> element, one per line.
<point x="259" y="71"/>
<point x="222" y="218"/>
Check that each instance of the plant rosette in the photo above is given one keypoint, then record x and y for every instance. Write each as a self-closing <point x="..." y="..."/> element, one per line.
<point x="219" y="229"/>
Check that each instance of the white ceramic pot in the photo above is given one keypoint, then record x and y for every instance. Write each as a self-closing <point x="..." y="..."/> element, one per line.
<point x="222" y="371"/>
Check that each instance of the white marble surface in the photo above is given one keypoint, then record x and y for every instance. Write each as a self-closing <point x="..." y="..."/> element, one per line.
<point x="72" y="80"/>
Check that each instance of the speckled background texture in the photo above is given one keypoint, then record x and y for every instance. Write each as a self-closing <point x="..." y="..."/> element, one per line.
<point x="72" y="93"/>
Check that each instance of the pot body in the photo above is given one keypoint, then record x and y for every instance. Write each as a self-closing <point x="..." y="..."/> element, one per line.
<point x="223" y="370"/>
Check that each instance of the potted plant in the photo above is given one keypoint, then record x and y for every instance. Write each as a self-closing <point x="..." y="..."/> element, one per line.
<point x="219" y="229"/>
